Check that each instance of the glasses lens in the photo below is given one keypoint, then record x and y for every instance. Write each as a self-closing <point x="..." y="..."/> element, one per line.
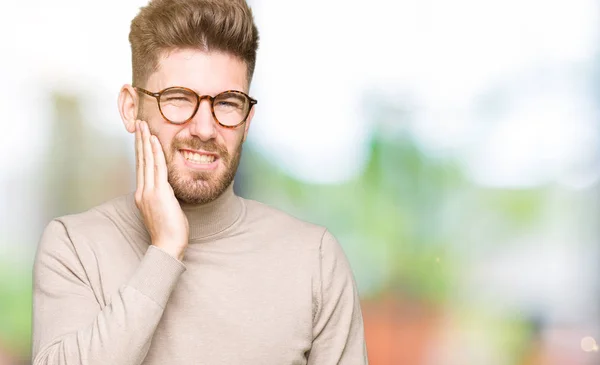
<point x="231" y="108"/>
<point x="178" y="105"/>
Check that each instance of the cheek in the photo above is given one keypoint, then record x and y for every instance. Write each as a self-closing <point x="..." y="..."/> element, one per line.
<point x="166" y="144"/>
<point x="148" y="111"/>
<point x="233" y="139"/>
<point x="165" y="136"/>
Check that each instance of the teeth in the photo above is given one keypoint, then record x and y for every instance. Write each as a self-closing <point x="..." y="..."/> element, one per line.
<point x="198" y="158"/>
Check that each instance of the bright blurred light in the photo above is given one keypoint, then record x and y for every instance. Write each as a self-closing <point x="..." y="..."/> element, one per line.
<point x="588" y="344"/>
<point x="67" y="46"/>
<point x="537" y="142"/>
<point x="446" y="60"/>
<point x="445" y="55"/>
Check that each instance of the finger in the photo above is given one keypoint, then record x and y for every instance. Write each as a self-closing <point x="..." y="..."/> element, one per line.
<point x="160" y="165"/>
<point x="148" y="158"/>
<point x="139" y="157"/>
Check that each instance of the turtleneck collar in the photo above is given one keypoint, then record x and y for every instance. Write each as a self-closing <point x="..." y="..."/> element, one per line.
<point x="213" y="217"/>
<point x="207" y="219"/>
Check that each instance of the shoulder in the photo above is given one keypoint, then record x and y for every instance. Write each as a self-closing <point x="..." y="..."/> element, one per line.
<point x="94" y="224"/>
<point x="292" y="233"/>
<point x="98" y="218"/>
<point x="261" y="216"/>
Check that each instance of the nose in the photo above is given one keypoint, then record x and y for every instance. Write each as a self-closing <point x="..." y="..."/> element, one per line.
<point x="203" y="124"/>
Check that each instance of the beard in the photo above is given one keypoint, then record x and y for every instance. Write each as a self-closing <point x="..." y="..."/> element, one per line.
<point x="200" y="187"/>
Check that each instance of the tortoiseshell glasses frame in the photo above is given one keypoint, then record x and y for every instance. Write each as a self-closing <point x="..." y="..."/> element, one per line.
<point x="250" y="102"/>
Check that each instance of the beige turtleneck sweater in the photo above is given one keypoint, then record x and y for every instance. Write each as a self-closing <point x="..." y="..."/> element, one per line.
<point x="256" y="286"/>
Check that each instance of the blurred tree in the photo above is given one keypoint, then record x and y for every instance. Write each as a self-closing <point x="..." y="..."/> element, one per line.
<point x="408" y="223"/>
<point x="83" y="167"/>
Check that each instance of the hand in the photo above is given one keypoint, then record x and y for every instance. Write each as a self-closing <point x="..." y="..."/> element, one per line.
<point x="167" y="224"/>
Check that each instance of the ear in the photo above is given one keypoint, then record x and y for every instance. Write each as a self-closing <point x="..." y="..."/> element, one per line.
<point x="248" y="121"/>
<point x="128" y="107"/>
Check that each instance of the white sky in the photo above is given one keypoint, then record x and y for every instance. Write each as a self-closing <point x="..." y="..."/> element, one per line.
<point x="445" y="55"/>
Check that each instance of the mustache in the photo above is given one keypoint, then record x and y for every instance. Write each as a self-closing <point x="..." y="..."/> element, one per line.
<point x="197" y="144"/>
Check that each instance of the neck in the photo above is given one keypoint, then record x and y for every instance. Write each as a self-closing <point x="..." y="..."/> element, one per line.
<point x="213" y="217"/>
<point x="205" y="220"/>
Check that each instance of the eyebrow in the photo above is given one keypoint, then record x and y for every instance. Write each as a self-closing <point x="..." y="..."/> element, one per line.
<point x="234" y="95"/>
<point x="199" y="93"/>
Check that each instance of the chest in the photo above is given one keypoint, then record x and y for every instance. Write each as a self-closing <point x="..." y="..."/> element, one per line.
<point x="230" y="309"/>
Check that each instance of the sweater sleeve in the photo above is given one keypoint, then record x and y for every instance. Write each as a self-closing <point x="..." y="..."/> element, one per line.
<point x="69" y="325"/>
<point x="338" y="330"/>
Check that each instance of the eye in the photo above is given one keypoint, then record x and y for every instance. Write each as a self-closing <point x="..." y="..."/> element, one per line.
<point x="176" y="98"/>
<point x="228" y="103"/>
<point x="231" y="101"/>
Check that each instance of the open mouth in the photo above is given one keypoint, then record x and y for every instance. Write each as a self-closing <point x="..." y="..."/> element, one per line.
<point x="199" y="158"/>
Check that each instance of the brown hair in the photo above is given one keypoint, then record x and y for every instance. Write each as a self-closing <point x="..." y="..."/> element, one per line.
<point x="209" y="25"/>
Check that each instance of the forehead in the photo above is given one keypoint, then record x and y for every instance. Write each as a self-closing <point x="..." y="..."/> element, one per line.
<point x="204" y="72"/>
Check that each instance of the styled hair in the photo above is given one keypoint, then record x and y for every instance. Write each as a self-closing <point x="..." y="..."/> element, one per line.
<point x="209" y="25"/>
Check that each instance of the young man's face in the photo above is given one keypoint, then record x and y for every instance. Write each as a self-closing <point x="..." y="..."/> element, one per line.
<point x="202" y="156"/>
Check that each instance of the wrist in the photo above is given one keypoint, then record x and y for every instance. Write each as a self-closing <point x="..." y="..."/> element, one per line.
<point x="177" y="253"/>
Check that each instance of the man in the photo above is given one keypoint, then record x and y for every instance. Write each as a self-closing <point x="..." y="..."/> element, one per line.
<point x="183" y="271"/>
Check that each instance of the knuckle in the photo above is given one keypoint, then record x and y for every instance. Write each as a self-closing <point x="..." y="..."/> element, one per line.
<point x="149" y="193"/>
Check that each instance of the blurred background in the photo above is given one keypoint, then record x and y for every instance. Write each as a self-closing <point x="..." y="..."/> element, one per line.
<point x="451" y="146"/>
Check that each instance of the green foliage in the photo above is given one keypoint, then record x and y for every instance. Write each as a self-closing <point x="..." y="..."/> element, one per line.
<point x="15" y="308"/>
<point x="405" y="220"/>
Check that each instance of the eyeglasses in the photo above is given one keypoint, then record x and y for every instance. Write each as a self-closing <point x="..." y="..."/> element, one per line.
<point x="178" y="105"/>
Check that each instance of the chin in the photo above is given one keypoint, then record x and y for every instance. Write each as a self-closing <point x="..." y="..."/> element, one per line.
<point x="199" y="187"/>
<point x="194" y="184"/>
